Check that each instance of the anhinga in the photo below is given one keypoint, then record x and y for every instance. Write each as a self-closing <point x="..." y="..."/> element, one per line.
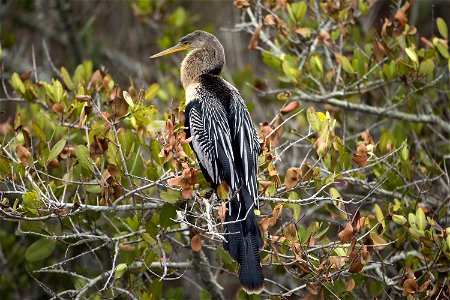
<point x="226" y="145"/>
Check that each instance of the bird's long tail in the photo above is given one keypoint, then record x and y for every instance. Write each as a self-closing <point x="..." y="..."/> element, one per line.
<point x="244" y="241"/>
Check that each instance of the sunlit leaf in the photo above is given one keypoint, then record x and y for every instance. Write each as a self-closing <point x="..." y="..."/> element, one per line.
<point x="442" y="27"/>
<point x="120" y="270"/>
<point x="56" y="150"/>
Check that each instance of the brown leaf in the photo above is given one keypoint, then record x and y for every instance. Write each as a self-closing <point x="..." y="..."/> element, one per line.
<point x="25" y="75"/>
<point x="365" y="255"/>
<point x="83" y="98"/>
<point x="347" y="234"/>
<point x="270" y="20"/>
<point x="360" y="157"/>
<point x="175" y="181"/>
<point x="222" y="211"/>
<point x="272" y="219"/>
<point x="292" y="177"/>
<point x="255" y="38"/>
<point x="337" y="262"/>
<point x="410" y="272"/>
<point x="289" y="108"/>
<point x="186" y="192"/>
<point x="311" y="289"/>
<point x="26" y="137"/>
<point x="401" y="15"/>
<point x="58" y="108"/>
<point x="410" y="286"/>
<point x="97" y="78"/>
<point x="350" y="285"/>
<point x="425" y="285"/>
<point x="290" y="233"/>
<point x="377" y="240"/>
<point x="356" y="267"/>
<point x="241" y="4"/>
<point x="196" y="243"/>
<point x="23" y="154"/>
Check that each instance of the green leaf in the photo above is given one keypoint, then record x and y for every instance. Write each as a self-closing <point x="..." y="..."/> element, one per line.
<point x="420" y="219"/>
<point x="343" y="61"/>
<point x="58" y="91"/>
<point x="297" y="12"/>
<point x="17" y="83"/>
<point x="426" y="67"/>
<point x="412" y="55"/>
<point x="82" y="154"/>
<point x="204" y="295"/>
<point x="5" y="167"/>
<point x="379" y="215"/>
<point x="151" y="92"/>
<point x="66" y="78"/>
<point x="399" y="219"/>
<point x="168" y="212"/>
<point x="56" y="150"/>
<point x="313" y="120"/>
<point x="40" y="250"/>
<point x="120" y="270"/>
<point x="442" y="28"/>
<point x="170" y="196"/>
<point x="441" y="48"/>
<point x="128" y="99"/>
<point x="412" y="220"/>
<point x="39" y="132"/>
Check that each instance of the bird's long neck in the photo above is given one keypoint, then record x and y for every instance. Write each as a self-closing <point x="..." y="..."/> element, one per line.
<point x="202" y="61"/>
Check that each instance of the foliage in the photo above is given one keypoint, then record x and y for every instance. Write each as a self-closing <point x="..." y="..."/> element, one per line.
<point x="106" y="193"/>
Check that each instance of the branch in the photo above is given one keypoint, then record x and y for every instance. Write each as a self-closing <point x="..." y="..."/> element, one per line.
<point x="380" y="111"/>
<point x="200" y="263"/>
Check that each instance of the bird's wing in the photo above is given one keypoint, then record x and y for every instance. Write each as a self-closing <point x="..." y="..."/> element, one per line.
<point x="208" y="126"/>
<point x="245" y="143"/>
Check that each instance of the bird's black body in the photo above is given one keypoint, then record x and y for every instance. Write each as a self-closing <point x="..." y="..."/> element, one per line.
<point x="219" y="110"/>
<point x="227" y="147"/>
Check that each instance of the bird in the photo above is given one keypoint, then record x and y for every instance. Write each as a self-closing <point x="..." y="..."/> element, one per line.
<point x="227" y="147"/>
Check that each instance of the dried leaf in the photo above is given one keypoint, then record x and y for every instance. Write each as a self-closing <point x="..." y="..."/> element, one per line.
<point x="196" y="243"/>
<point x="269" y="19"/>
<point x="23" y="154"/>
<point x="83" y="98"/>
<point x="58" y="108"/>
<point x="347" y="234"/>
<point x="241" y="4"/>
<point x="410" y="286"/>
<point x="350" y="285"/>
<point x="25" y="75"/>
<point x="356" y="267"/>
<point x="290" y="233"/>
<point x="377" y="240"/>
<point x="360" y="157"/>
<point x="255" y="38"/>
<point x="289" y="108"/>
<point x="222" y="211"/>
<point x="292" y="177"/>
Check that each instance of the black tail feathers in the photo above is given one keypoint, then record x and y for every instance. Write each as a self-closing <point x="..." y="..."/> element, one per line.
<point x="243" y="243"/>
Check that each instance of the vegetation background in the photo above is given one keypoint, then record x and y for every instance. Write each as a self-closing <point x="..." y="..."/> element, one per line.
<point x="101" y="197"/>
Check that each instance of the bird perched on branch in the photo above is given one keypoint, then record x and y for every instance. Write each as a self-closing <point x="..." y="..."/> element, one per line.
<point x="227" y="147"/>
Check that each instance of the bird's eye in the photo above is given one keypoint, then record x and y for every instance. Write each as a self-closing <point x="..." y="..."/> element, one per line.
<point x="185" y="43"/>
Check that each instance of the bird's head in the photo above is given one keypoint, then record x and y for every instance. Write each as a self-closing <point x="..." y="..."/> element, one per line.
<point x="195" y="40"/>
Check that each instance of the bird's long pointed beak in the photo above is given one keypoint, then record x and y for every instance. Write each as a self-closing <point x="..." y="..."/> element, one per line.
<point x="173" y="49"/>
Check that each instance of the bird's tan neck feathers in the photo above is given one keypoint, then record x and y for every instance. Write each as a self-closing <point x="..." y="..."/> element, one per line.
<point x="202" y="61"/>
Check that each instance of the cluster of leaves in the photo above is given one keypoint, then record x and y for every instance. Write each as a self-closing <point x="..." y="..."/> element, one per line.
<point x="107" y="193"/>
